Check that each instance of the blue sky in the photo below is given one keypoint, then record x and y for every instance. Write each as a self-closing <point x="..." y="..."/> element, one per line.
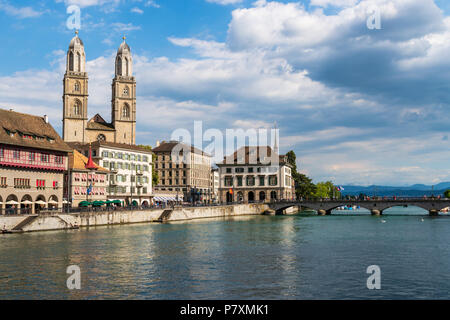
<point x="358" y="106"/>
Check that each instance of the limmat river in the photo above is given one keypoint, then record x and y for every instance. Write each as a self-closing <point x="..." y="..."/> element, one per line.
<point x="254" y="257"/>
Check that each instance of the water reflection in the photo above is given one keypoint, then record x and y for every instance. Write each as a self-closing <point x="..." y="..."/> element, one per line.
<point x="254" y="257"/>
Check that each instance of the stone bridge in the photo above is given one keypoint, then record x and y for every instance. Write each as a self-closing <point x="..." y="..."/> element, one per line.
<point x="376" y="207"/>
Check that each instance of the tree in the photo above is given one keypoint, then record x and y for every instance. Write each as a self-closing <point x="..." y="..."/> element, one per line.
<point x="447" y="193"/>
<point x="304" y="188"/>
<point x="327" y="190"/>
<point x="155" y="177"/>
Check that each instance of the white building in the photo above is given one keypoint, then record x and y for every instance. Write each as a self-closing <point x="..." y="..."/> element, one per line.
<point x="255" y="174"/>
<point x="130" y="178"/>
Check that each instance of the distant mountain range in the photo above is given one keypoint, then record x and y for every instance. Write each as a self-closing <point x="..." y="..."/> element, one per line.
<point x="417" y="190"/>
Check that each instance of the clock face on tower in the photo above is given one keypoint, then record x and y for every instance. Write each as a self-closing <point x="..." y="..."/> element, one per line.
<point x="101" y="138"/>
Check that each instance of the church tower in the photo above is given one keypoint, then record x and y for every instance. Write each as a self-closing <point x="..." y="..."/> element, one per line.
<point x="123" y="102"/>
<point x="75" y="93"/>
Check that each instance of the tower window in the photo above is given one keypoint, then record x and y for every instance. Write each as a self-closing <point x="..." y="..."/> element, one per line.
<point x="126" y="91"/>
<point x="126" y="111"/>
<point x="77" y="86"/>
<point x="77" y="108"/>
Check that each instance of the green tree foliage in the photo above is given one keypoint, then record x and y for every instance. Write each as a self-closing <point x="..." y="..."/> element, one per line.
<point x="447" y="193"/>
<point x="155" y="177"/>
<point x="327" y="190"/>
<point x="304" y="187"/>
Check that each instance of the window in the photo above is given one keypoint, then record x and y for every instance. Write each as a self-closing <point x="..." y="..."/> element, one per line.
<point x="40" y="184"/>
<point x="126" y="111"/>
<point x="21" y="183"/>
<point x="2" y="152"/>
<point x="273" y="181"/>
<point x="31" y="156"/>
<point x="239" y="181"/>
<point x="3" y="182"/>
<point x="58" y="159"/>
<point x="77" y="86"/>
<point x="101" y="138"/>
<point x="228" y="170"/>
<point x="55" y="184"/>
<point x="261" y="180"/>
<point x="16" y="154"/>
<point x="77" y="108"/>
<point x="250" y="181"/>
<point x="239" y="170"/>
<point x="250" y="170"/>
<point x="126" y="91"/>
<point x="45" y="157"/>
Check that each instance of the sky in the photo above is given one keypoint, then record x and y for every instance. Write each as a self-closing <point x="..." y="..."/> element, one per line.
<point x="357" y="105"/>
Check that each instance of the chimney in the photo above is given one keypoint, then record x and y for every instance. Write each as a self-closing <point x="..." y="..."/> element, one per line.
<point x="46" y="118"/>
<point x="158" y="143"/>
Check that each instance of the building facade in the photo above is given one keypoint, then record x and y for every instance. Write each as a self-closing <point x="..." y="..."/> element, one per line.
<point x="187" y="176"/>
<point x="76" y="126"/>
<point x="255" y="174"/>
<point x="33" y="159"/>
<point x="84" y="184"/>
<point x="215" y="184"/>
<point x="130" y="170"/>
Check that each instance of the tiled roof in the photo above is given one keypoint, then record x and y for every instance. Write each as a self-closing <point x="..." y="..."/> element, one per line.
<point x="252" y="154"/>
<point x="98" y="123"/>
<point x="77" y="161"/>
<point x="168" y="146"/>
<point x="96" y="144"/>
<point x="13" y="125"/>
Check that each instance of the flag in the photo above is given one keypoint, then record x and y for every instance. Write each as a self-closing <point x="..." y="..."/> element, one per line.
<point x="231" y="191"/>
<point x="89" y="189"/>
<point x="340" y="188"/>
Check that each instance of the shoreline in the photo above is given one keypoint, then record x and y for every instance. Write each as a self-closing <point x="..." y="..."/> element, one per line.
<point x="38" y="223"/>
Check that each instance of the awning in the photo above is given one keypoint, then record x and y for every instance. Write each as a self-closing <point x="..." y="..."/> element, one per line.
<point x="27" y="202"/>
<point x="40" y="202"/>
<point x="52" y="202"/>
<point x="11" y="202"/>
<point x="168" y="198"/>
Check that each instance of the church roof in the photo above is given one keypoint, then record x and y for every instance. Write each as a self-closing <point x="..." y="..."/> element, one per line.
<point x="123" y="48"/>
<point x="98" y="123"/>
<point x="26" y="130"/>
<point x="75" y="41"/>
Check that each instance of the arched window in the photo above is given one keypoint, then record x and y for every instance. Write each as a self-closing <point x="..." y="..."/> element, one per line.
<point x="77" y="108"/>
<point x="79" y="62"/>
<point x="119" y="66"/>
<point x="126" y="91"/>
<point x="126" y="66"/>
<point x="126" y="111"/>
<point x="101" y="138"/>
<point x="71" y="61"/>
<point x="77" y="86"/>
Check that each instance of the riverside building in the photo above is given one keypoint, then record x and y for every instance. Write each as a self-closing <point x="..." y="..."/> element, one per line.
<point x="85" y="180"/>
<point x="33" y="159"/>
<point x="187" y="178"/>
<point x="255" y="174"/>
<point x="130" y="170"/>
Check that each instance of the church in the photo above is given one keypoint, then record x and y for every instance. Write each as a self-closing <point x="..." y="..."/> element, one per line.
<point x="76" y="125"/>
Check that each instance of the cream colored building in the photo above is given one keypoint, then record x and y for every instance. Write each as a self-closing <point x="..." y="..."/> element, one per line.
<point x="76" y="125"/>
<point x="188" y="176"/>
<point x="253" y="174"/>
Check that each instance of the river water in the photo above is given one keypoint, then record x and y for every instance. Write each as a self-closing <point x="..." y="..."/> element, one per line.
<point x="255" y="257"/>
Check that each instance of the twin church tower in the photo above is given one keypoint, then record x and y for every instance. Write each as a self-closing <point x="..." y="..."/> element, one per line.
<point x="76" y="126"/>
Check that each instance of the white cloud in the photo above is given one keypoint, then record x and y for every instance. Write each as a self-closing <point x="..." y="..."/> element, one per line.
<point x="224" y="2"/>
<point x="120" y="27"/>
<point x="22" y="12"/>
<point x="137" y="10"/>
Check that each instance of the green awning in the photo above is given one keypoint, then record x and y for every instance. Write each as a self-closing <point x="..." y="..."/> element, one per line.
<point x="134" y="203"/>
<point x="84" y="204"/>
<point x="117" y="202"/>
<point x="98" y="203"/>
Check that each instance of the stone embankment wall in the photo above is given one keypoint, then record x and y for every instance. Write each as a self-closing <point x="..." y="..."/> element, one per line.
<point x="68" y="221"/>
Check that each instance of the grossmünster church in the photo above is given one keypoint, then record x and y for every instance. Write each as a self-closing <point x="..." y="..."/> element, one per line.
<point x="76" y="125"/>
